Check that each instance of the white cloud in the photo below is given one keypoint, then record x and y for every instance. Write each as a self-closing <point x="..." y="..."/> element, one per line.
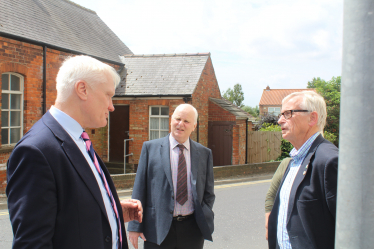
<point x="280" y="43"/>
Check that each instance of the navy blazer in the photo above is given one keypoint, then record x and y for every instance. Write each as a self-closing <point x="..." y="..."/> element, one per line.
<point x="54" y="200"/>
<point x="312" y="203"/>
<point x="154" y="188"/>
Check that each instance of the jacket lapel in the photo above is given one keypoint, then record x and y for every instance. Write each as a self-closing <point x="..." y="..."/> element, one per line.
<point x="76" y="158"/>
<point x="303" y="170"/>
<point x="165" y="158"/>
<point x="195" y="155"/>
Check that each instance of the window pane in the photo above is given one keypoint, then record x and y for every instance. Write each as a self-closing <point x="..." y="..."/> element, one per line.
<point x="4" y="119"/>
<point x="164" y="133"/>
<point x="164" y="124"/>
<point x="155" y="111"/>
<point x="15" y="118"/>
<point x="153" y="135"/>
<point x="15" y="101"/>
<point x="165" y="111"/>
<point x="154" y="123"/>
<point x="4" y="101"/>
<point x="14" y="80"/>
<point x="5" y="81"/>
<point x="4" y="136"/>
<point x="15" y="135"/>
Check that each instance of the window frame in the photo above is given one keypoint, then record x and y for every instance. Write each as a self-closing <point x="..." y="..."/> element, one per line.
<point x="157" y="116"/>
<point x="274" y="112"/>
<point x="9" y="92"/>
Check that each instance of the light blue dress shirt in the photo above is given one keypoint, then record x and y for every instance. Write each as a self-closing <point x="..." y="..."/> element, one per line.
<point x="74" y="129"/>
<point x="298" y="157"/>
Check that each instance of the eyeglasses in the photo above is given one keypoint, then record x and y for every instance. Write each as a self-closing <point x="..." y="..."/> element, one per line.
<point x="288" y="114"/>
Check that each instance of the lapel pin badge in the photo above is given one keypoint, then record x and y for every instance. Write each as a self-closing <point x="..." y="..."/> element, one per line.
<point x="304" y="173"/>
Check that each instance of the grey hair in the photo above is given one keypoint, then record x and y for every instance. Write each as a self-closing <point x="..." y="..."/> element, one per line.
<point x="313" y="102"/>
<point x="181" y="106"/>
<point x="85" y="68"/>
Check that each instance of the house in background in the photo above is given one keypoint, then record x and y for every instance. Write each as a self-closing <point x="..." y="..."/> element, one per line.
<point x="153" y="86"/>
<point x="271" y="99"/>
<point x="35" y="38"/>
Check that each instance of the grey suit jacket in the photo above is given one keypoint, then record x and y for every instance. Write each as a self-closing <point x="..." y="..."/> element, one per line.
<point x="154" y="188"/>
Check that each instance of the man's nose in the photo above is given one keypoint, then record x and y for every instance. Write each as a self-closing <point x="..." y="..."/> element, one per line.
<point x="281" y="119"/>
<point x="111" y="106"/>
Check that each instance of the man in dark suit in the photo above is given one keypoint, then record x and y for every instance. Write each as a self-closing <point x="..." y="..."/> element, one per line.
<point x="303" y="215"/>
<point x="60" y="194"/>
<point x="175" y="185"/>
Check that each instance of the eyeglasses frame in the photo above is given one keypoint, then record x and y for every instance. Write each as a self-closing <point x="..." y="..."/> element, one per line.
<point x="292" y="111"/>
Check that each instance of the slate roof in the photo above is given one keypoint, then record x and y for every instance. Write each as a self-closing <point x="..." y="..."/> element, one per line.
<point x="63" y="24"/>
<point x="161" y="74"/>
<point x="233" y="109"/>
<point x="275" y="96"/>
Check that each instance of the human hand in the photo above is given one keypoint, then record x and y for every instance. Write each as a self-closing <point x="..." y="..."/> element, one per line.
<point x="133" y="237"/>
<point x="132" y="210"/>
<point x="266" y="223"/>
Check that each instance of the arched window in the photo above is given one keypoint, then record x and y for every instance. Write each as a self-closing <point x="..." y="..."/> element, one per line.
<point x="11" y="108"/>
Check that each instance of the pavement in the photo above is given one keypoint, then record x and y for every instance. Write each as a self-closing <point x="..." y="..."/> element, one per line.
<point x="123" y="193"/>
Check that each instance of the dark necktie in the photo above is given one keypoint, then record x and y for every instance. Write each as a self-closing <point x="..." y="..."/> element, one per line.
<point x="182" y="177"/>
<point x="91" y="152"/>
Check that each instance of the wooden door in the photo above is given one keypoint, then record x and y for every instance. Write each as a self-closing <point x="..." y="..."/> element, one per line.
<point x="118" y="132"/>
<point x="220" y="142"/>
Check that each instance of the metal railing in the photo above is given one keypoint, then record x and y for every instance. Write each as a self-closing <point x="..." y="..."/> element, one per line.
<point x="124" y="157"/>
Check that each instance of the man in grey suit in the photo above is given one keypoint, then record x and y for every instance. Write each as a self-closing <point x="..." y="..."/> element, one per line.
<point x="175" y="185"/>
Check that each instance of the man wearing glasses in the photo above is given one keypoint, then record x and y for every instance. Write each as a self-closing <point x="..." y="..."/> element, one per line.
<point x="303" y="215"/>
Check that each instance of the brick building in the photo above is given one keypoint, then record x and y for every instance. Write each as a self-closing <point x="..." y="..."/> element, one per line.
<point x="271" y="99"/>
<point x="35" y="37"/>
<point x="152" y="86"/>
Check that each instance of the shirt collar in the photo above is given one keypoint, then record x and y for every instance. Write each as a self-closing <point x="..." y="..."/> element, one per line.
<point x="301" y="153"/>
<point x="68" y="123"/>
<point x="174" y="143"/>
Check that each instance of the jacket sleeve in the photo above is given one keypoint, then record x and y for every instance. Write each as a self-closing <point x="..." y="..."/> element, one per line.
<point x="32" y="199"/>
<point x="330" y="182"/>
<point x="209" y="195"/>
<point x="274" y="185"/>
<point x="140" y="187"/>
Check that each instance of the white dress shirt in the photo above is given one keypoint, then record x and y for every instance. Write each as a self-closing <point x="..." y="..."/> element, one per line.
<point x="187" y="207"/>
<point x="74" y="129"/>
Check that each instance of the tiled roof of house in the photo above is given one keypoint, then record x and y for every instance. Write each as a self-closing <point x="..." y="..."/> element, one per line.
<point x="233" y="109"/>
<point x="63" y="24"/>
<point x="162" y="74"/>
<point x="275" y="96"/>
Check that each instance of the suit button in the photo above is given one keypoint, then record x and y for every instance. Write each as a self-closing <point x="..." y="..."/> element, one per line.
<point x="171" y="212"/>
<point x="172" y="197"/>
<point x="107" y="239"/>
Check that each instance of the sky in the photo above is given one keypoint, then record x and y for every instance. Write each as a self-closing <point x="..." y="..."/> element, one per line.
<point x="282" y="44"/>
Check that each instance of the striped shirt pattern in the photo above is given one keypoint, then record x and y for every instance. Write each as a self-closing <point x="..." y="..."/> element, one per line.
<point x="298" y="157"/>
<point x="187" y="207"/>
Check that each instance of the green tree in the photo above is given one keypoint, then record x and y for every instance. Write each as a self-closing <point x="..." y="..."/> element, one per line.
<point x="235" y="95"/>
<point x="254" y="111"/>
<point x="330" y="90"/>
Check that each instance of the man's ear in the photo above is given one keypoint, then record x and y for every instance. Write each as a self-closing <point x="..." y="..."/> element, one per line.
<point x="194" y="126"/>
<point x="313" y="118"/>
<point x="81" y="90"/>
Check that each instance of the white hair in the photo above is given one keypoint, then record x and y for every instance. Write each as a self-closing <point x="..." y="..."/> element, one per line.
<point x="313" y="102"/>
<point x="85" y="68"/>
<point x="181" y="106"/>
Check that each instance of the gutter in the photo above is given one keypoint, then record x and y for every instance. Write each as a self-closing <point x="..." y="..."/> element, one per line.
<point x="154" y="95"/>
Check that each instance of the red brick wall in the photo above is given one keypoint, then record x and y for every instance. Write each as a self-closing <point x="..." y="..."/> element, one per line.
<point x="139" y="121"/>
<point x="216" y="113"/>
<point x="206" y="87"/>
<point x="27" y="59"/>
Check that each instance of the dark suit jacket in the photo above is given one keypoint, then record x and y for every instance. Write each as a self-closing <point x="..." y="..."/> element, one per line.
<point x="154" y="188"/>
<point x="312" y="203"/>
<point x="54" y="200"/>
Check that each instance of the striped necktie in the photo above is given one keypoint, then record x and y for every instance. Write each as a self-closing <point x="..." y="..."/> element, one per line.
<point x="91" y="152"/>
<point x="182" y="177"/>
